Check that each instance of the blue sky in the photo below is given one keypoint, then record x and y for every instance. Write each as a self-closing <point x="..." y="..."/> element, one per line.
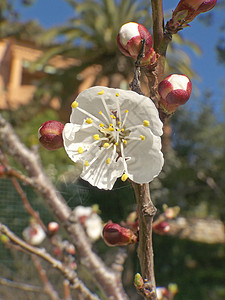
<point x="50" y="13"/>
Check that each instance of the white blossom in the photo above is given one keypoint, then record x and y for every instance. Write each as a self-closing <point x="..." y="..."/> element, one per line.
<point x="114" y="133"/>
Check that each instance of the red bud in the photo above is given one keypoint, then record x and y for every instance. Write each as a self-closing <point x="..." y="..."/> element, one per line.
<point x="50" y="135"/>
<point x="129" y="42"/>
<point x="186" y="11"/>
<point x="161" y="228"/>
<point x="175" y="90"/>
<point x="53" y="227"/>
<point x="115" y="235"/>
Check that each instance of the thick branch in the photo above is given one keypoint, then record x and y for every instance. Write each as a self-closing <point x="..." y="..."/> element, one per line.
<point x="106" y="278"/>
<point x="146" y="212"/>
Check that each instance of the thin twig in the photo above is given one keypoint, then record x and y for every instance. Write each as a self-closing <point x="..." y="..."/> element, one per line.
<point x="48" y="288"/>
<point x="67" y="272"/>
<point x="21" y="286"/>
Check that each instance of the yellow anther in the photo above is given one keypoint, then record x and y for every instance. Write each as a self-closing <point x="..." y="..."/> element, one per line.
<point x="117" y="129"/>
<point x="101" y="125"/>
<point x="142" y="137"/>
<point x="124" y="177"/>
<point x="96" y="137"/>
<point x="74" y="104"/>
<point x="86" y="163"/>
<point x="117" y="94"/>
<point x="108" y="160"/>
<point x="125" y="141"/>
<point x="122" y="130"/>
<point x="146" y="123"/>
<point x="116" y="143"/>
<point x="126" y="111"/>
<point x="106" y="145"/>
<point x="112" y="116"/>
<point x="111" y="125"/>
<point x="111" y="128"/>
<point x="101" y="92"/>
<point x="119" y="123"/>
<point x="100" y="112"/>
<point x="80" y="150"/>
<point x="89" y="121"/>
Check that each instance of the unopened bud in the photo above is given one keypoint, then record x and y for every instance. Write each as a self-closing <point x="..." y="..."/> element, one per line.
<point x="138" y="281"/>
<point x="2" y="170"/>
<point x="161" y="228"/>
<point x="129" y="41"/>
<point x="171" y="212"/>
<point x="50" y="135"/>
<point x="173" y="288"/>
<point x="186" y="11"/>
<point x="70" y="249"/>
<point x="161" y="292"/>
<point x="53" y="227"/>
<point x="115" y="235"/>
<point x="174" y="90"/>
<point x="4" y="239"/>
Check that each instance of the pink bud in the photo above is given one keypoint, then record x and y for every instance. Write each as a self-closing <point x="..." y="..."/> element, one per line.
<point x="186" y="11"/>
<point x="50" y="135"/>
<point x="70" y="249"/>
<point x="161" y="228"/>
<point x="53" y="227"/>
<point x="2" y="170"/>
<point x="115" y="235"/>
<point x="129" y="42"/>
<point x="174" y="90"/>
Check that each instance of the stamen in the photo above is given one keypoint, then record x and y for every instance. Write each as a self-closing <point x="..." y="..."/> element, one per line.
<point x="108" y="160"/>
<point x="125" y="118"/>
<point x="80" y="150"/>
<point x="89" y="121"/>
<point x="101" y="113"/>
<point x="124" y="177"/>
<point x="101" y="125"/>
<point x="117" y="94"/>
<point x="86" y="163"/>
<point x="142" y="137"/>
<point x="96" y="137"/>
<point x="125" y="142"/>
<point x="146" y="123"/>
<point x="101" y="92"/>
<point x="106" y="145"/>
<point x="74" y="104"/>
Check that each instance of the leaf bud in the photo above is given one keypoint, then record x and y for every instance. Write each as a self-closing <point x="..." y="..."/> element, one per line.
<point x="129" y="41"/>
<point x="115" y="235"/>
<point x="174" y="90"/>
<point x="138" y="281"/>
<point x="50" y="135"/>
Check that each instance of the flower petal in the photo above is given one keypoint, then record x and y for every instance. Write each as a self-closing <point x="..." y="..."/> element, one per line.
<point x="76" y="136"/>
<point x="144" y="159"/>
<point x="99" y="173"/>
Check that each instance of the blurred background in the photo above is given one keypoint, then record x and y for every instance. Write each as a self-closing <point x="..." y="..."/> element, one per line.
<point x="52" y="50"/>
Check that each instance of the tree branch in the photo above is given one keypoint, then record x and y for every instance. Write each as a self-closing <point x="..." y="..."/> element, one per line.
<point x="67" y="272"/>
<point x="106" y="279"/>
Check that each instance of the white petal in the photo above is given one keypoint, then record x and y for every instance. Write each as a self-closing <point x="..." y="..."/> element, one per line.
<point x="140" y="108"/>
<point x="145" y="157"/>
<point x="99" y="173"/>
<point x="75" y="136"/>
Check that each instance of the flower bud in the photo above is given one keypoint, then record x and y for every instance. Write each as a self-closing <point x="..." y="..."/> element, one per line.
<point x="161" y="228"/>
<point x="53" y="227"/>
<point x="129" y="42"/>
<point x="50" y="135"/>
<point x="186" y="11"/>
<point x="115" y="235"/>
<point x="2" y="170"/>
<point x="171" y="212"/>
<point x="174" y="90"/>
